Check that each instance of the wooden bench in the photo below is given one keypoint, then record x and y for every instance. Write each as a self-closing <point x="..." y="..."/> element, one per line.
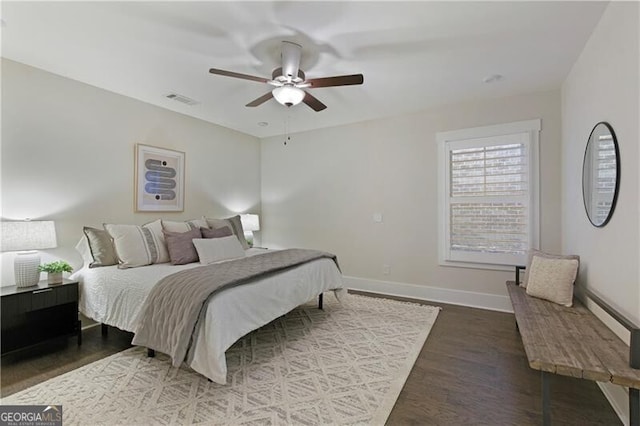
<point x="574" y="342"/>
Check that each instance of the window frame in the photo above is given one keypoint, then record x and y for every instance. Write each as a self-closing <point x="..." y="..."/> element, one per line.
<point x="444" y="140"/>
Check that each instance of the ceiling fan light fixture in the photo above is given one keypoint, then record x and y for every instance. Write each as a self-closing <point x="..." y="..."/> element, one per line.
<point x="288" y="95"/>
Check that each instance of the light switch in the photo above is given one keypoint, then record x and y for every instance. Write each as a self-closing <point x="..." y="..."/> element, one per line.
<point x="377" y="217"/>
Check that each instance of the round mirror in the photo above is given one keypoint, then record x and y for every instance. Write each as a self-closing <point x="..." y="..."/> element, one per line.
<point x="601" y="174"/>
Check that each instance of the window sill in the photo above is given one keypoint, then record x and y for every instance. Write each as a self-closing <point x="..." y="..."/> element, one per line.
<point x="470" y="265"/>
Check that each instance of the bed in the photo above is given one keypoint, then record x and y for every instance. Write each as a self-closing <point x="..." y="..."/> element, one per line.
<point x="115" y="297"/>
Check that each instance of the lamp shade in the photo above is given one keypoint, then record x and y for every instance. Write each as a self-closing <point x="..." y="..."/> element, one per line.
<point x="288" y="95"/>
<point x="28" y="235"/>
<point x="250" y="222"/>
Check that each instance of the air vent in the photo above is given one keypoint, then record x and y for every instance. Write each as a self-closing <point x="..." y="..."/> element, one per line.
<point x="181" y="98"/>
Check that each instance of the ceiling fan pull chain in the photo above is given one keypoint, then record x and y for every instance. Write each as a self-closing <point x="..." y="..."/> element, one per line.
<point x="287" y="129"/>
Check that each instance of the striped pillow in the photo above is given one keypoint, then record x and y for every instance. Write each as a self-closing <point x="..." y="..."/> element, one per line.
<point x="138" y="245"/>
<point x="232" y="222"/>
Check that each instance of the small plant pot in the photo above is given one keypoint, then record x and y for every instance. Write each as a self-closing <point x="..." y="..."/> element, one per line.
<point x="54" y="277"/>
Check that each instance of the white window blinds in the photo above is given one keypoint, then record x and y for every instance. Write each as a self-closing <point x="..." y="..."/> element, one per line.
<point x="488" y="212"/>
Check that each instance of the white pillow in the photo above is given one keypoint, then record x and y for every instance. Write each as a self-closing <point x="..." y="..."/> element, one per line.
<point x="216" y="249"/>
<point x="83" y="248"/>
<point x="139" y="245"/>
<point x="540" y="253"/>
<point x="185" y="226"/>
<point x="552" y="279"/>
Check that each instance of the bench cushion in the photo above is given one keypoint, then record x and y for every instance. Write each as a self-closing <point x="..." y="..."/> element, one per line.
<point x="540" y="253"/>
<point x="552" y="279"/>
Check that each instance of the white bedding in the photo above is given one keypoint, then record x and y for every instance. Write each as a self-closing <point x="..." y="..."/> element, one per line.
<point x="115" y="297"/>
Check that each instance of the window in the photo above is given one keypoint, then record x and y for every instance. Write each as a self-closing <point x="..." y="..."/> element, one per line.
<point x="488" y="194"/>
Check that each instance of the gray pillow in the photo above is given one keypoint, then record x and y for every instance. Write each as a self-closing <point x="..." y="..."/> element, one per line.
<point x="540" y="253"/>
<point x="101" y="247"/>
<point x="217" y="223"/>
<point x="180" y="245"/>
<point x="216" y="233"/>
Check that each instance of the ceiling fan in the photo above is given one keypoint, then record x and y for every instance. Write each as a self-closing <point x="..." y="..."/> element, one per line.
<point x="289" y="80"/>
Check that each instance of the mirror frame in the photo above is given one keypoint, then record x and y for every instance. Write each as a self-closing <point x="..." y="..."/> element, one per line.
<point x="617" y="188"/>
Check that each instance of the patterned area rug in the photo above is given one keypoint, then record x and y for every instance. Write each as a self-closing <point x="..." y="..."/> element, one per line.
<point x="344" y="365"/>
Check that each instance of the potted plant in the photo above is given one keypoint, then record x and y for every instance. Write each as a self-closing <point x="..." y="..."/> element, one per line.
<point x="54" y="270"/>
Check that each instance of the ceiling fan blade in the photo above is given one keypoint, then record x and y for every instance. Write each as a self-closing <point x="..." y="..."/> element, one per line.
<point x="290" y="59"/>
<point x="341" y="80"/>
<point x="313" y="103"/>
<point x="238" y="75"/>
<point x="262" y="99"/>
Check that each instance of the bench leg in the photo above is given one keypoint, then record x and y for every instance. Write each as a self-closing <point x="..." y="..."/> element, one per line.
<point x="546" y="399"/>
<point x="151" y="353"/>
<point x="634" y="407"/>
<point x="320" y="301"/>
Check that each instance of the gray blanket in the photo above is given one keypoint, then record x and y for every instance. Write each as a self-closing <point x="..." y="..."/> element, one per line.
<point x="172" y="310"/>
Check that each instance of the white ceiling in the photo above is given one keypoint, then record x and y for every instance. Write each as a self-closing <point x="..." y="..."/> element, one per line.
<point x="414" y="55"/>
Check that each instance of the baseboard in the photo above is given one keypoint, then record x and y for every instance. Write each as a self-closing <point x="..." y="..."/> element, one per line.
<point x="618" y="398"/>
<point x="491" y="302"/>
<point x="86" y="327"/>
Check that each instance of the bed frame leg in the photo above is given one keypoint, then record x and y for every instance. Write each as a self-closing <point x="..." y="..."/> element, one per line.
<point x="151" y="353"/>
<point x="104" y="329"/>
<point x="320" y="301"/>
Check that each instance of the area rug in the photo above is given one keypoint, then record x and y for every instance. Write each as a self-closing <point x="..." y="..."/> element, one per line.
<point x="345" y="364"/>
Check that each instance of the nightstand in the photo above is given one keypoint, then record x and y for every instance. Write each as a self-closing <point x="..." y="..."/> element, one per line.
<point x="37" y="314"/>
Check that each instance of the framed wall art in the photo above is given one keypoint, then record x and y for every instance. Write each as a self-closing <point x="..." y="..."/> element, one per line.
<point x="159" y="179"/>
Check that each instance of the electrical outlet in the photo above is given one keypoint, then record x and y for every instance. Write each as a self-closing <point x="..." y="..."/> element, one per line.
<point x="386" y="269"/>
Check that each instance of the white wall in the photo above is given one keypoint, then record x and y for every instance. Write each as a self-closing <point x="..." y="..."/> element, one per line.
<point x="322" y="188"/>
<point x="68" y="149"/>
<point x="604" y="85"/>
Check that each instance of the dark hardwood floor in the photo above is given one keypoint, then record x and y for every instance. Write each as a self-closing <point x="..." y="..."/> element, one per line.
<point x="23" y="369"/>
<point x="471" y="371"/>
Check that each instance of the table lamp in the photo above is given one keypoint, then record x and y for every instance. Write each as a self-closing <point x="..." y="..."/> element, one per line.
<point x="26" y="237"/>
<point x="250" y="223"/>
